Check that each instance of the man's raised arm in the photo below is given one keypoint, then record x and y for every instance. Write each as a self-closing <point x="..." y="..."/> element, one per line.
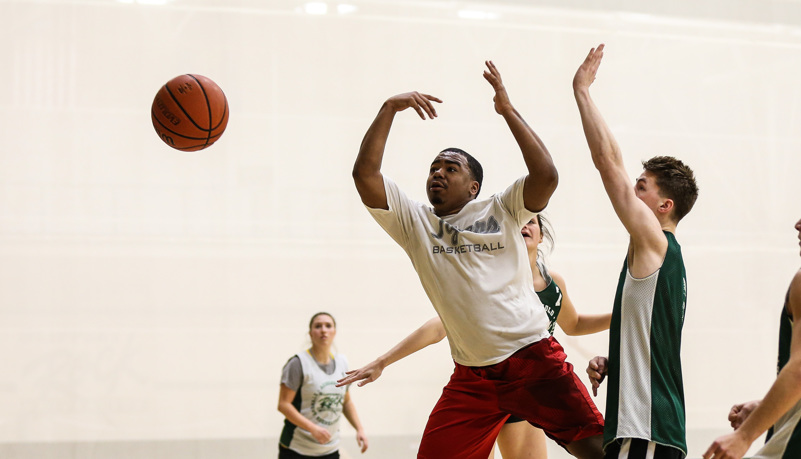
<point x="639" y="220"/>
<point x="542" y="176"/>
<point x="367" y="168"/>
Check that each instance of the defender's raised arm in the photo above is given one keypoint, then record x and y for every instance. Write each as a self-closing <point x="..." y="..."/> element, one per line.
<point x="636" y="216"/>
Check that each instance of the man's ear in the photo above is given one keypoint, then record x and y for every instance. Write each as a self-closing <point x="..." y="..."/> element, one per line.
<point x="666" y="206"/>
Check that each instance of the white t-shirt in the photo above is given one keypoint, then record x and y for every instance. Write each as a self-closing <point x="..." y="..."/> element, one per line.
<point x="475" y="269"/>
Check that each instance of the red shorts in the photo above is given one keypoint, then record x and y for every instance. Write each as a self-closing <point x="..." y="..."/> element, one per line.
<point x="535" y="383"/>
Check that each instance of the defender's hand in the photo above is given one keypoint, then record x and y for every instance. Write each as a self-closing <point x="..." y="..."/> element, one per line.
<point x="585" y="74"/>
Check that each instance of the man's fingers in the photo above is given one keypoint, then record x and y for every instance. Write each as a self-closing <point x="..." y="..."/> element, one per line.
<point x="354" y="375"/>
<point x="596" y="58"/>
<point x="596" y="53"/>
<point x="491" y="79"/>
<point x="417" y="108"/>
<point x="710" y="452"/>
<point x="423" y="106"/>
<point x="432" y="98"/>
<point x="426" y="105"/>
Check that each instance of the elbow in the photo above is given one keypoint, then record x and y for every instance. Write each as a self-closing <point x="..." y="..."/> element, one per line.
<point x="362" y="173"/>
<point x="601" y="161"/>
<point x="282" y="407"/>
<point x="605" y="158"/>
<point x="440" y="334"/>
<point x="357" y="173"/>
<point x="551" y="180"/>
<point x="571" y="329"/>
<point x="546" y="185"/>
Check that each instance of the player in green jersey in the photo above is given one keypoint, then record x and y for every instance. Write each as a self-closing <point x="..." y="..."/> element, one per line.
<point x="781" y="407"/>
<point x="645" y="396"/>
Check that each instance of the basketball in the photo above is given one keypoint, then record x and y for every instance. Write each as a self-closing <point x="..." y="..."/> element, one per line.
<point x="190" y="112"/>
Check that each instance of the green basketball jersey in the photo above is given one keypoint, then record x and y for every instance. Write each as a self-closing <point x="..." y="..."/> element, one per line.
<point x="785" y="335"/>
<point x="645" y="395"/>
<point x="550" y="297"/>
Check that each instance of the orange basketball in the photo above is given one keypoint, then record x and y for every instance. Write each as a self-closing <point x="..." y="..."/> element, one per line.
<point x="190" y="112"/>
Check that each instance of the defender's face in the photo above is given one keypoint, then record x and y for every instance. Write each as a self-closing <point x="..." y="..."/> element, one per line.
<point x="449" y="185"/>
<point x="532" y="234"/>
<point x="647" y="191"/>
<point x="323" y="330"/>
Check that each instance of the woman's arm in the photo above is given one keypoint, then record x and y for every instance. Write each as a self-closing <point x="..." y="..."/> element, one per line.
<point x="431" y="332"/>
<point x="349" y="410"/>
<point x="285" y="397"/>
<point x="573" y="323"/>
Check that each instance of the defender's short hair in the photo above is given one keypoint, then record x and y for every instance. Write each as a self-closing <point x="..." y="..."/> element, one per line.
<point x="676" y="181"/>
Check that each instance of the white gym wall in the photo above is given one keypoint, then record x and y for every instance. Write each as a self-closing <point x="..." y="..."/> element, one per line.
<point x="149" y="298"/>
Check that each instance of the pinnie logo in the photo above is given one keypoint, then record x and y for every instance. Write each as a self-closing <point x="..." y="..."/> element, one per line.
<point x="327" y="406"/>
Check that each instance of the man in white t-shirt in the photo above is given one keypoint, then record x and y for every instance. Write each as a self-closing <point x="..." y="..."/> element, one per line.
<point x="473" y="265"/>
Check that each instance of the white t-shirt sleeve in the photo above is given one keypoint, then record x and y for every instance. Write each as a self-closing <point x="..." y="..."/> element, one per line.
<point x="512" y="202"/>
<point x="396" y="218"/>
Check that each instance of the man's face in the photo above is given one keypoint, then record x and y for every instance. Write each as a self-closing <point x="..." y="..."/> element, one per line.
<point x="647" y="191"/>
<point x="450" y="185"/>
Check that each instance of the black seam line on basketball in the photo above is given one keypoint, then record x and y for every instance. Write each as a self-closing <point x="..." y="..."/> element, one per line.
<point x="224" y="115"/>
<point x="208" y="104"/>
<point x="225" y="109"/>
<point x="166" y="128"/>
<point x="182" y="108"/>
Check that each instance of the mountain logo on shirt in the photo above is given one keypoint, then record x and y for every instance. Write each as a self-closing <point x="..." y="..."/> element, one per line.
<point x="481" y="226"/>
<point x="326" y="407"/>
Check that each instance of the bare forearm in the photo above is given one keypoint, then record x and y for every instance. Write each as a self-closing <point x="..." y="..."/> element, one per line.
<point x="367" y="168"/>
<point x="294" y="416"/>
<point x="429" y="333"/>
<point x="603" y="146"/>
<point x="536" y="156"/>
<point x="371" y="151"/>
<point x="349" y="410"/>
<point x="591" y="323"/>
<point x="782" y="396"/>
